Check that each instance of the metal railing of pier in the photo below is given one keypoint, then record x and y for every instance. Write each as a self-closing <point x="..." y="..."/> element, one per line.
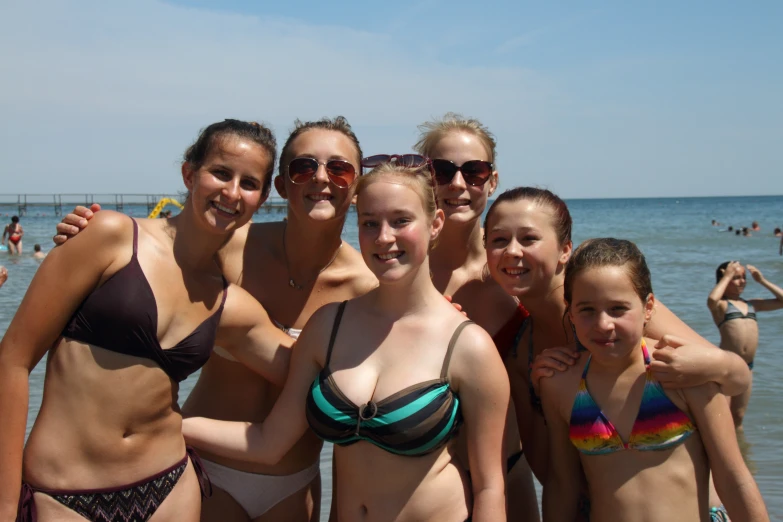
<point x="117" y="202"/>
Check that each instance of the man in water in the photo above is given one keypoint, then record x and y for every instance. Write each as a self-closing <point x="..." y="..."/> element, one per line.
<point x="38" y="253"/>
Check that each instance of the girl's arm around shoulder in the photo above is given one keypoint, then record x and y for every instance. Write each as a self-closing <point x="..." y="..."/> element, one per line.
<point x="62" y="281"/>
<point x="725" y="368"/>
<point x="735" y="484"/>
<point x="478" y="375"/>
<point x="269" y="441"/>
<point x="248" y="333"/>
<point x="563" y="482"/>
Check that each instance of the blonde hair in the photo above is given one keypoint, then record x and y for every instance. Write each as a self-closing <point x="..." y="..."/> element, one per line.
<point x="431" y="132"/>
<point x="417" y="178"/>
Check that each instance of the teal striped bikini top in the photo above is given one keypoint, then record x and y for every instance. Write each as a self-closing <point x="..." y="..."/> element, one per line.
<point x="414" y="421"/>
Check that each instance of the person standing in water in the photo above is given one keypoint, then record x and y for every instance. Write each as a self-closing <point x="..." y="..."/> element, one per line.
<point x="140" y="304"/>
<point x="736" y="319"/>
<point x="463" y="152"/>
<point x="645" y="462"/>
<point x="293" y="267"/>
<point x="37" y="252"/>
<point x="14" y="232"/>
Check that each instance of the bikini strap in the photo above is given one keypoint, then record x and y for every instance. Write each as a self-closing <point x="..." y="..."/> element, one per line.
<point x="335" y="327"/>
<point x="518" y="337"/>
<point x="646" y="354"/>
<point x="450" y="349"/>
<point x="225" y="293"/>
<point x="204" y="484"/>
<point x="135" y="237"/>
<point x="587" y="366"/>
<point x="26" y="511"/>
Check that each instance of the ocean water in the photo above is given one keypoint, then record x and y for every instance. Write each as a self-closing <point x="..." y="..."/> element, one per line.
<point x="682" y="249"/>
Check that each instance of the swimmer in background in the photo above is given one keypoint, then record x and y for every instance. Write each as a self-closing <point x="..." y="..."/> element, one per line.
<point x="14" y="232"/>
<point x="777" y="233"/>
<point x="755" y="226"/>
<point x="715" y="223"/>
<point x="746" y="232"/>
<point x="3" y="275"/>
<point x="37" y="252"/>
<point x="740" y="336"/>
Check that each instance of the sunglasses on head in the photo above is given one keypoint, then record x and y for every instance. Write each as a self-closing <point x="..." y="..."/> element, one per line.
<point x="474" y="172"/>
<point x="411" y="161"/>
<point x="340" y="172"/>
<point x="403" y="160"/>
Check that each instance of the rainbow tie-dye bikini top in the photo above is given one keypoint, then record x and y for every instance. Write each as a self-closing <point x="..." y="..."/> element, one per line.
<point x="659" y="425"/>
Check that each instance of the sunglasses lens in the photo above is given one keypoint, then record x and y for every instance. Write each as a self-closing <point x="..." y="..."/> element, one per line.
<point x="412" y="161"/>
<point x="374" y="161"/>
<point x="341" y="173"/>
<point x="476" y="172"/>
<point x="444" y="171"/>
<point x="301" y="170"/>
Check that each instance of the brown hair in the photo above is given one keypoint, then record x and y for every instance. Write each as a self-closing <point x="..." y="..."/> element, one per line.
<point x="562" y="217"/>
<point x="337" y="124"/>
<point x="431" y="132"/>
<point x="609" y="251"/>
<point x="259" y="134"/>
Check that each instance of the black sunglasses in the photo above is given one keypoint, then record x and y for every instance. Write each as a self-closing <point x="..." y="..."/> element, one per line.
<point x="474" y="172"/>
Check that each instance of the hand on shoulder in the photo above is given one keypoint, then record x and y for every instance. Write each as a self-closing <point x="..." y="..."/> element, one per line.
<point x="561" y="387"/>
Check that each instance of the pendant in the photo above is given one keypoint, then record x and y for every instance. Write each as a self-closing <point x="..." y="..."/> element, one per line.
<point x="293" y="285"/>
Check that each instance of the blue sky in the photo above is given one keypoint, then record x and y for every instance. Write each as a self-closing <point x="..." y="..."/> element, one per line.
<point x="589" y="99"/>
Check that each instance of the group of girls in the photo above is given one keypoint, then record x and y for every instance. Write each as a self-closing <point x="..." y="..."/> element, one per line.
<point x="413" y="394"/>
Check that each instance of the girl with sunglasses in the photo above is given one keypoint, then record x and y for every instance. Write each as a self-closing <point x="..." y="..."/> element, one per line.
<point x="528" y="243"/>
<point x="139" y="305"/>
<point x="293" y="267"/>
<point x="388" y="377"/>
<point x="646" y="452"/>
<point x="463" y="154"/>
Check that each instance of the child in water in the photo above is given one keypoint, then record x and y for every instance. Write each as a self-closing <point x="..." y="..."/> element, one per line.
<point x="736" y="319"/>
<point x="649" y="462"/>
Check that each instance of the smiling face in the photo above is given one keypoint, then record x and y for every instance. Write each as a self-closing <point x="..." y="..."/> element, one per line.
<point x="462" y="202"/>
<point x="319" y="199"/>
<point x="607" y="312"/>
<point x="395" y="232"/>
<point x="524" y="254"/>
<point x="227" y="188"/>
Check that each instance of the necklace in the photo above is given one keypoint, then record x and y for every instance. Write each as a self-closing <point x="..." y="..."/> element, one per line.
<point x="293" y="284"/>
